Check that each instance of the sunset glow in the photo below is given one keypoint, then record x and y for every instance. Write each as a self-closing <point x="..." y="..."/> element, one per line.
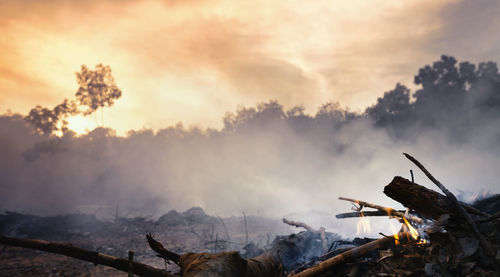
<point x="192" y="61"/>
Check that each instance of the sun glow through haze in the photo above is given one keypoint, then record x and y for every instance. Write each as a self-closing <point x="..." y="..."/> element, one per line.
<point x="193" y="60"/>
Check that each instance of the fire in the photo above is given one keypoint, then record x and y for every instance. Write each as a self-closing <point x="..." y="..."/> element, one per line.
<point x="395" y="232"/>
<point x="363" y="225"/>
<point x="410" y="231"/>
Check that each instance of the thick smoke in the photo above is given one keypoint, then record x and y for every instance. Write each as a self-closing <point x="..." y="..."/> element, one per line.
<point x="267" y="160"/>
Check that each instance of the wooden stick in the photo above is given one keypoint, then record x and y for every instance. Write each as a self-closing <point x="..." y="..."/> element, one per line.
<point x="139" y="269"/>
<point x="452" y="198"/>
<point x="324" y="243"/>
<point x="361" y="214"/>
<point x="246" y="227"/>
<point x="321" y="231"/>
<point x="389" y="211"/>
<point x="327" y="265"/>
<point x="161" y="250"/>
<point x="300" y="224"/>
<point x="130" y="263"/>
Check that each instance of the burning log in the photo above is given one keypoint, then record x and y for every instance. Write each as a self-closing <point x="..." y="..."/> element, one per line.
<point x="456" y="207"/>
<point x="486" y="245"/>
<point x="424" y="201"/>
<point x="349" y="255"/>
<point x="139" y="269"/>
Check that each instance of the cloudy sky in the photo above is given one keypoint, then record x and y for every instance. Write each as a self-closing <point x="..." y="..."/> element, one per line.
<point x="193" y="60"/>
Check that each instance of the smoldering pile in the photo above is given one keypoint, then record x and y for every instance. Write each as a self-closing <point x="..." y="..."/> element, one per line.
<point x="439" y="236"/>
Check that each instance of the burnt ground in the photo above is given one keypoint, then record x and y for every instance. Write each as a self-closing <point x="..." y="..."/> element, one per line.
<point x="189" y="231"/>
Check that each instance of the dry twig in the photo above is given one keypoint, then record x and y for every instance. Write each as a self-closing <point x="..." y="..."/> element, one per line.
<point x="389" y="211"/>
<point x="321" y="231"/>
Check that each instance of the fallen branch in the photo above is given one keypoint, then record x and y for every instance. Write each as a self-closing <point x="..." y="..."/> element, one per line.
<point x="388" y="211"/>
<point x="86" y="255"/>
<point x="486" y="245"/>
<point x="356" y="252"/>
<point x="161" y="250"/>
<point x="321" y="231"/>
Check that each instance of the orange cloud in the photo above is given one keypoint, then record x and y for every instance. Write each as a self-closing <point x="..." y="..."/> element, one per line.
<point x="194" y="60"/>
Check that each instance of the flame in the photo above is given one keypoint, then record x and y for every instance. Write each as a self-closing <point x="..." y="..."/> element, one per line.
<point x="414" y="233"/>
<point x="395" y="232"/>
<point x="363" y="225"/>
<point x="396" y="239"/>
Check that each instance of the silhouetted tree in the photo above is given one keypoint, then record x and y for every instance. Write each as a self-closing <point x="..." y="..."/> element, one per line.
<point x="97" y="88"/>
<point x="452" y="97"/>
<point x="487" y="88"/>
<point x="393" y="107"/>
<point x="47" y="121"/>
<point x="44" y="120"/>
<point x="443" y="89"/>
<point x="331" y="114"/>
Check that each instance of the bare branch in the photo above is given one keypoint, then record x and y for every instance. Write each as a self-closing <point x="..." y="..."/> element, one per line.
<point x="389" y="211"/>
<point x="321" y="231"/>
<point x="161" y="250"/>
<point x="361" y="214"/>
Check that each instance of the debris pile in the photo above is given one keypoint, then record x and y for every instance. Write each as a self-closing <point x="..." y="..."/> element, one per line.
<point x="439" y="236"/>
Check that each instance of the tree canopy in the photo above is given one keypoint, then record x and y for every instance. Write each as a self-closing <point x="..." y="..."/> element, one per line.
<point x="97" y="88"/>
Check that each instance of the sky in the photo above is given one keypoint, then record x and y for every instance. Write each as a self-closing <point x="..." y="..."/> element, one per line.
<point x="191" y="61"/>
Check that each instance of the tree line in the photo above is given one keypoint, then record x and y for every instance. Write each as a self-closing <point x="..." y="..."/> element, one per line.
<point x="451" y="95"/>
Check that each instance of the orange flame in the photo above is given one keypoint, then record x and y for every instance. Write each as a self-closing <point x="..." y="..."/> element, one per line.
<point x="363" y="225"/>
<point x="395" y="232"/>
<point x="414" y="233"/>
<point x="411" y="232"/>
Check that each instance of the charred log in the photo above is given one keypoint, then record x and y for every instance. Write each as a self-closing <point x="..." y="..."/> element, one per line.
<point x="424" y="201"/>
